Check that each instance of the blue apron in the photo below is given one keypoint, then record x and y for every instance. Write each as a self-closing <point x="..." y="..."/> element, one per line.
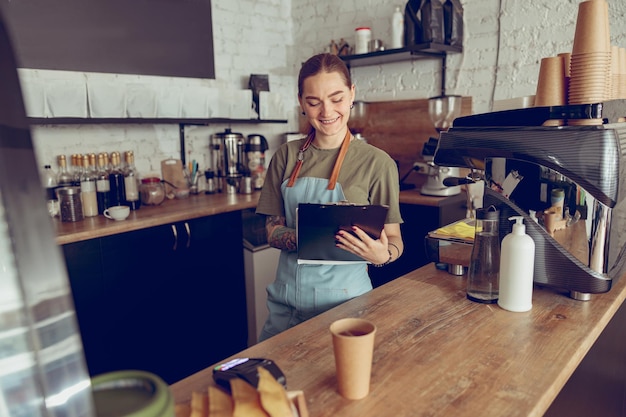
<point x="301" y="292"/>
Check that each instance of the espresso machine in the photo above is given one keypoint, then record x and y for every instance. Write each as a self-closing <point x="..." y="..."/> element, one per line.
<point x="524" y="163"/>
<point x="437" y="176"/>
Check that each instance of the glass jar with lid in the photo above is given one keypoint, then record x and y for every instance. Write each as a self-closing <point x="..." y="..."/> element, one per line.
<point x="152" y="191"/>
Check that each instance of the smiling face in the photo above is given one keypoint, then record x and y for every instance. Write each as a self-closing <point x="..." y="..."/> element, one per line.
<point x="326" y="100"/>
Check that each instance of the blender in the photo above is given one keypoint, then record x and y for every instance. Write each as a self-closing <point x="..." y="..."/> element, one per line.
<point x="442" y="111"/>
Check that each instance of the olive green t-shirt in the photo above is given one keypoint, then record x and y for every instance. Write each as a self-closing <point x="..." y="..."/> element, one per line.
<point x="368" y="175"/>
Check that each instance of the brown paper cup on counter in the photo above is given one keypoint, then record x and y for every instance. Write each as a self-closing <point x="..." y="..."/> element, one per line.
<point x="353" y="347"/>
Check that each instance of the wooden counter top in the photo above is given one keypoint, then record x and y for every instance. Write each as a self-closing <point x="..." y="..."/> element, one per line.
<point x="170" y="211"/>
<point x="179" y="210"/>
<point x="413" y="196"/>
<point x="437" y="353"/>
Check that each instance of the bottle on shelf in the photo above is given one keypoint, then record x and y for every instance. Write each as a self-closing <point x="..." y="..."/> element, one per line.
<point x="64" y="177"/>
<point x="103" y="186"/>
<point x="397" y="29"/>
<point x="76" y="168"/>
<point x="131" y="181"/>
<point x="88" y="197"/>
<point x="116" y="180"/>
<point x="93" y="160"/>
<point x="49" y="182"/>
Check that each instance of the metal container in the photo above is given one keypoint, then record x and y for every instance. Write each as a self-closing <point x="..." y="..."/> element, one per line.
<point x="70" y="206"/>
<point x="227" y="155"/>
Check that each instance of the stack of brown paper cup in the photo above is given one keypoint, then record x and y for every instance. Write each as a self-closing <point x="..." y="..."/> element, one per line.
<point x="567" y="59"/>
<point x="353" y="346"/>
<point x="590" y="65"/>
<point x="615" y="77"/>
<point x="551" y="85"/>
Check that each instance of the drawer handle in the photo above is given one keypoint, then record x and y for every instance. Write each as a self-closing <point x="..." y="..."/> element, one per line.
<point x="188" y="234"/>
<point x="175" y="232"/>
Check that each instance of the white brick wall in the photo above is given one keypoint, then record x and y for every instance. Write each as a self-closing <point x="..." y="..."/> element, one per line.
<point x="529" y="31"/>
<point x="504" y="43"/>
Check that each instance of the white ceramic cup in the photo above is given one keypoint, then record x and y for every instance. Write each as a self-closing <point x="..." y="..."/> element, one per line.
<point x="117" y="212"/>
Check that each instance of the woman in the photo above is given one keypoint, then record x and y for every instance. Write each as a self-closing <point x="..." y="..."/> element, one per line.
<point x="333" y="167"/>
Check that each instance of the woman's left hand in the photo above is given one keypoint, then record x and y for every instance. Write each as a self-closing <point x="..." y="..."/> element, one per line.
<point x="361" y="244"/>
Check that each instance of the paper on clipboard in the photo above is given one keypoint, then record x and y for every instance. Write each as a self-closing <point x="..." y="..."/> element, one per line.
<point x="317" y="225"/>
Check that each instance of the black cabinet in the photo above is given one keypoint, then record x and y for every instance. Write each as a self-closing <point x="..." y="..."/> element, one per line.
<point x="168" y="299"/>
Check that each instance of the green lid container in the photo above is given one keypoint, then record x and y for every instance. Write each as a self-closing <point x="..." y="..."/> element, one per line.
<point x="131" y="394"/>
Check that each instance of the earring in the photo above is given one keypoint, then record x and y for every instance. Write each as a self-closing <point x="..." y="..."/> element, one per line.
<point x="351" y="106"/>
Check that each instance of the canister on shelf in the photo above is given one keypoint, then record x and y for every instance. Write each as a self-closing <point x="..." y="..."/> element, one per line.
<point x="70" y="206"/>
<point x="152" y="191"/>
<point x="362" y="38"/>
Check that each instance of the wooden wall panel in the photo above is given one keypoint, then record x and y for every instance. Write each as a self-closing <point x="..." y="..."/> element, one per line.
<point x="401" y="128"/>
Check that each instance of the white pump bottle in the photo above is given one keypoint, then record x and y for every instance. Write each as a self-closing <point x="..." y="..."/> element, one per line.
<point x="517" y="262"/>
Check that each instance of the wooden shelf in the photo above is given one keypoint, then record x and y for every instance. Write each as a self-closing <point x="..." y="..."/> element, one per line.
<point x="133" y="120"/>
<point x="424" y="50"/>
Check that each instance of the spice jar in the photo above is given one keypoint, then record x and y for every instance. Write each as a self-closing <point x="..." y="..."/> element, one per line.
<point x="70" y="206"/>
<point x="362" y="37"/>
<point x="152" y="191"/>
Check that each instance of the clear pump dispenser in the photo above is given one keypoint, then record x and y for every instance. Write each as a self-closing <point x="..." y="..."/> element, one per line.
<point x="482" y="276"/>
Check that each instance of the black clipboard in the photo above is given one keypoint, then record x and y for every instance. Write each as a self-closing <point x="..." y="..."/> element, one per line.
<point x="317" y="225"/>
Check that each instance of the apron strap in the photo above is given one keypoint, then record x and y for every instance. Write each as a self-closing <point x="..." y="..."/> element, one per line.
<point x="336" y="168"/>
<point x="342" y="154"/>
<point x="296" y="170"/>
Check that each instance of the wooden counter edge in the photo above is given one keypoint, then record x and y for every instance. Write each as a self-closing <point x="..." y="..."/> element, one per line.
<point x="171" y="211"/>
<point x="606" y="305"/>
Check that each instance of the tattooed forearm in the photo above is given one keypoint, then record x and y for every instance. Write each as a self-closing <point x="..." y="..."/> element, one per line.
<point x="279" y="235"/>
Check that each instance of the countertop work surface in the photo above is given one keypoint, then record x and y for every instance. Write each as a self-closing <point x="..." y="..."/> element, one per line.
<point x="170" y="211"/>
<point x="175" y="210"/>
<point x="414" y="196"/>
<point x="437" y="353"/>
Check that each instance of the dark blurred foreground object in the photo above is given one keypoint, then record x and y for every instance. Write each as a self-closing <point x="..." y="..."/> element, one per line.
<point x="43" y="372"/>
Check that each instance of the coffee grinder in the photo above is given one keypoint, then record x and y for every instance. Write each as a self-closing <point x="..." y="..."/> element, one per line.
<point x="358" y="119"/>
<point x="442" y="111"/>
